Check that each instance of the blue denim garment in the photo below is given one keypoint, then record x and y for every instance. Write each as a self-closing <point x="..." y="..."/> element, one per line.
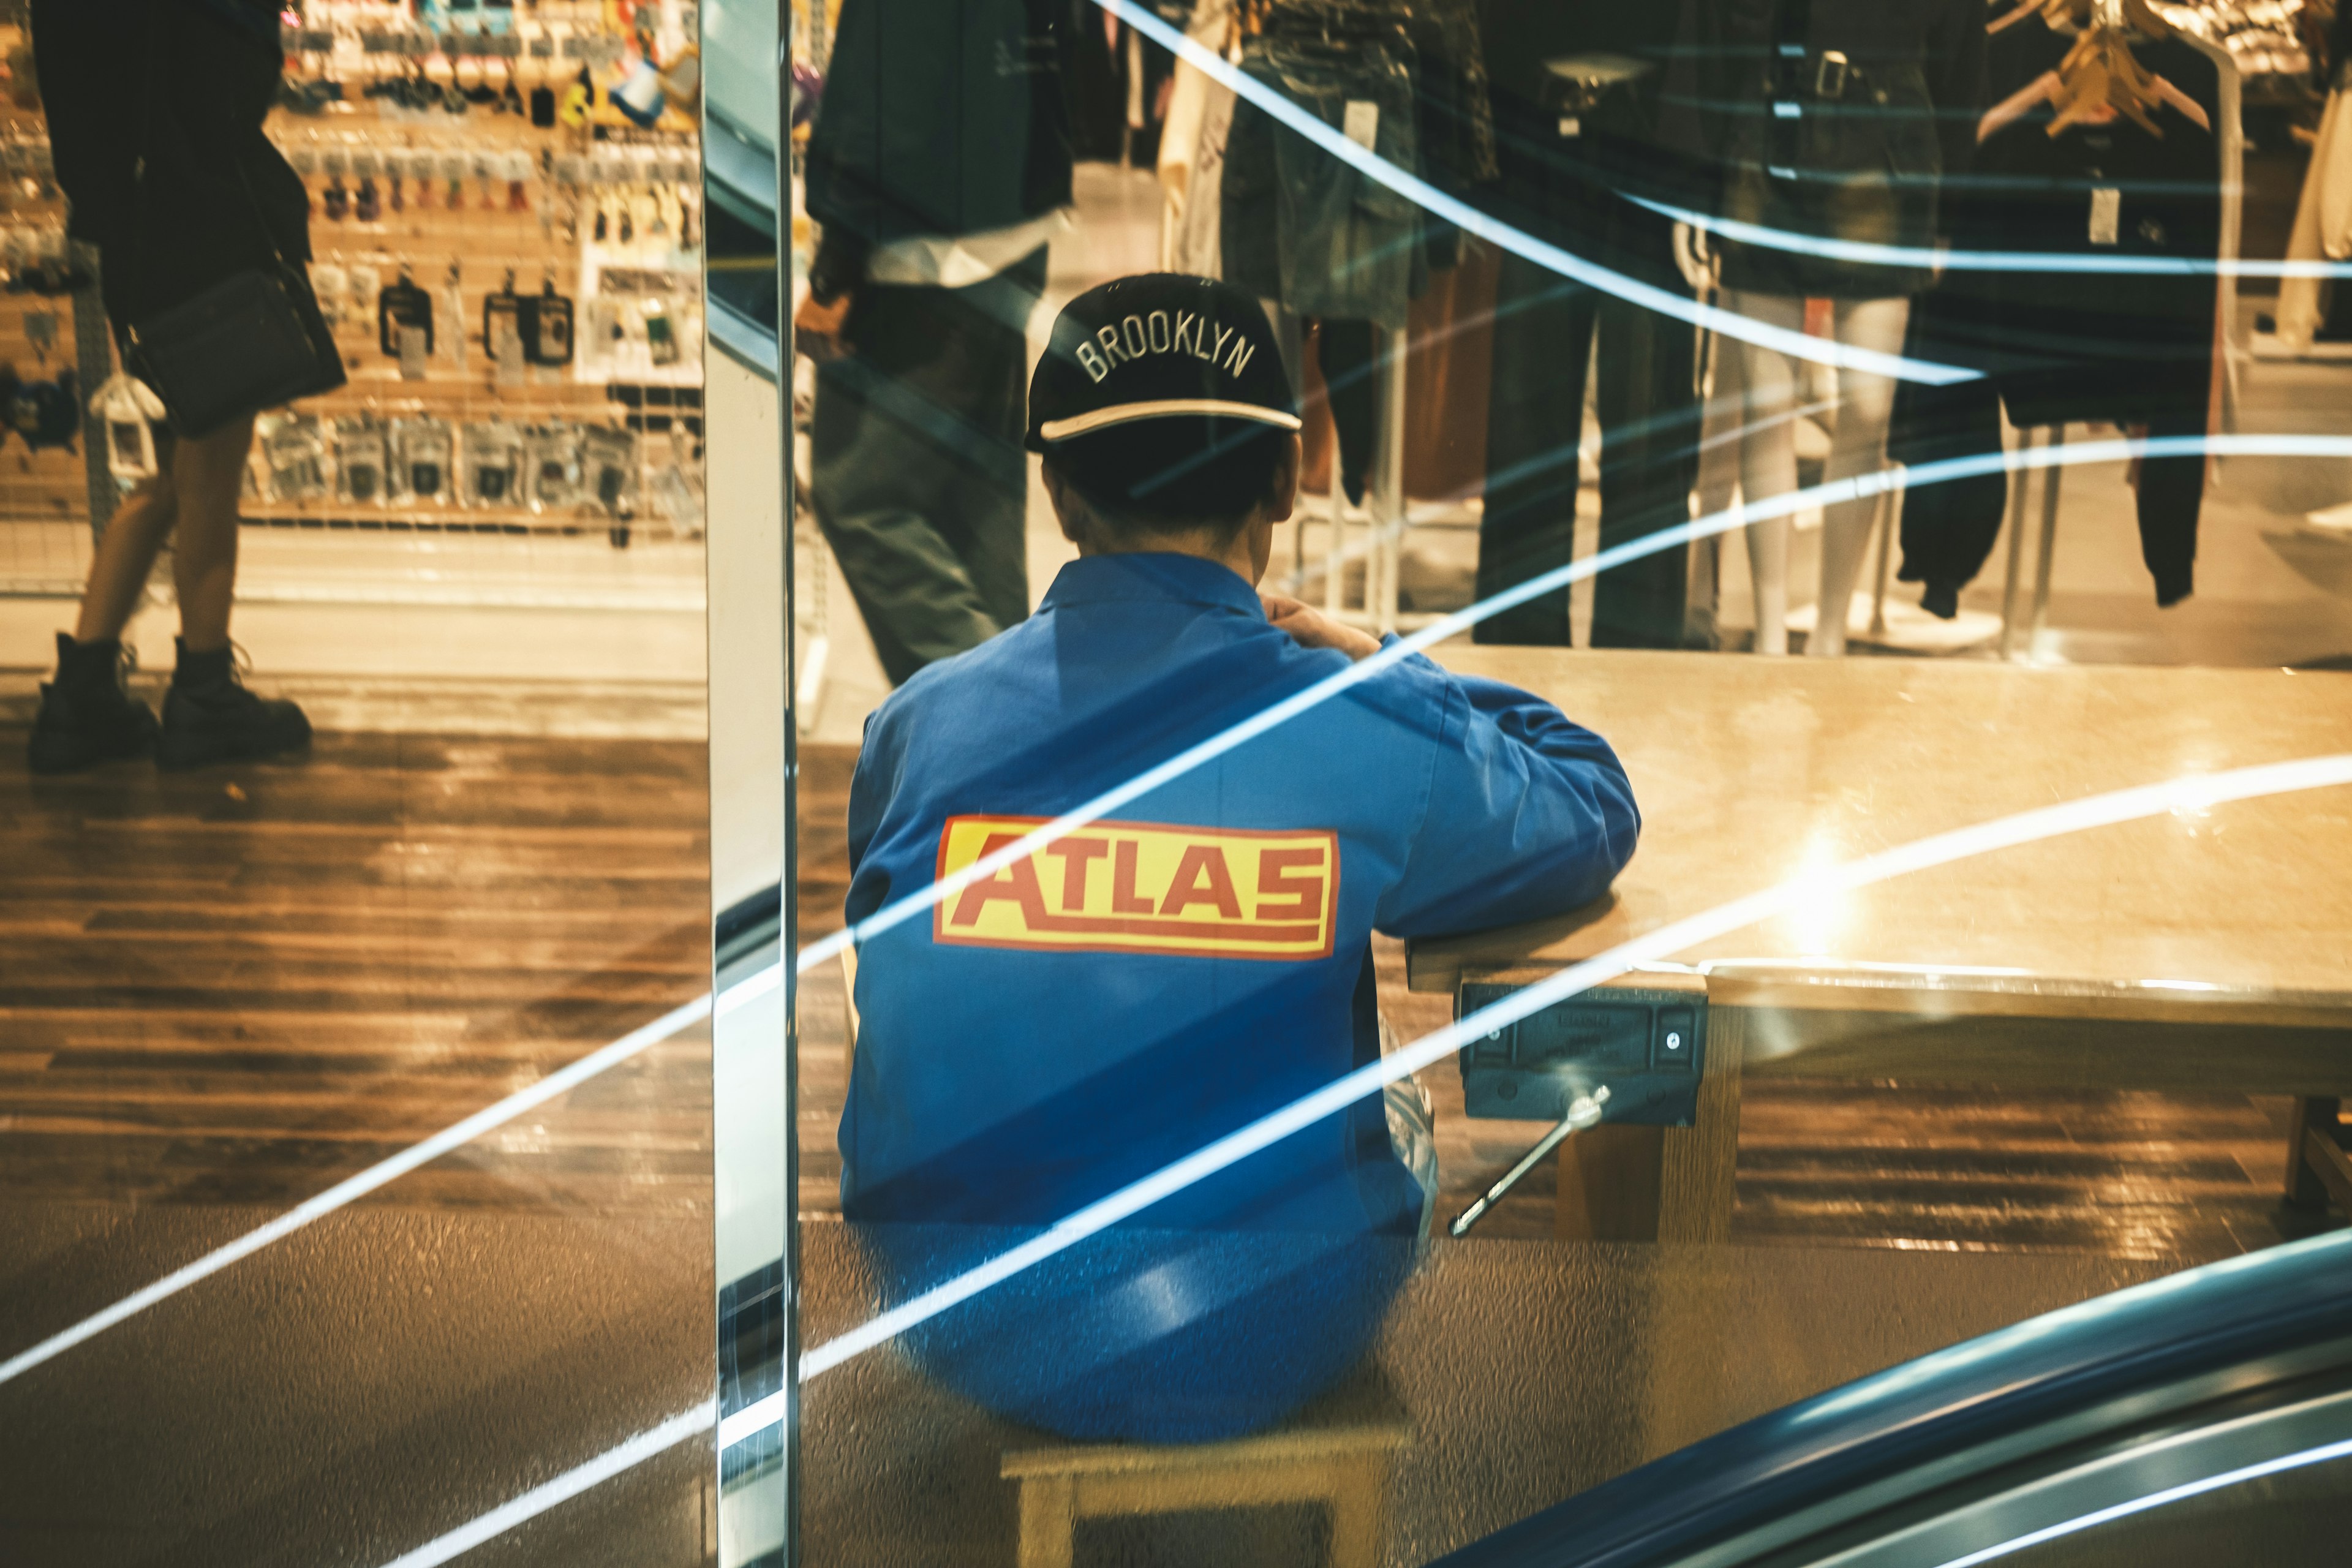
<point x="1303" y="228"/>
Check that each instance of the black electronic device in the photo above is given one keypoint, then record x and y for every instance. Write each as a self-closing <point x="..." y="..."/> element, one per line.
<point x="402" y="306"/>
<point x="1647" y="1045"/>
<point x="547" y="327"/>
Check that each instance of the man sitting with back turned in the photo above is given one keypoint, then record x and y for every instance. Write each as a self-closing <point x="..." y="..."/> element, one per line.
<point x="1200" y="957"/>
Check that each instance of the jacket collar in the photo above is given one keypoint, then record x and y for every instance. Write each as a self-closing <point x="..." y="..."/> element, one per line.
<point x="1155" y="577"/>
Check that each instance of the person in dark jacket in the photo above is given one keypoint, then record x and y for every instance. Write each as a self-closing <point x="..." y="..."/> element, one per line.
<point x="155" y="109"/>
<point x="939" y="168"/>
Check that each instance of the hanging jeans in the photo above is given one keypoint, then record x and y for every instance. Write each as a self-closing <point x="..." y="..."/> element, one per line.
<point x="920" y="482"/>
<point x="1303" y="228"/>
<point x="1950" y="527"/>
<point x="1546" y="329"/>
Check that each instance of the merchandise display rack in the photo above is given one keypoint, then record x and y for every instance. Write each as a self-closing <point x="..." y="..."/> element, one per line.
<point x="467" y="186"/>
<point x="468" y="165"/>
<point x="48" y="480"/>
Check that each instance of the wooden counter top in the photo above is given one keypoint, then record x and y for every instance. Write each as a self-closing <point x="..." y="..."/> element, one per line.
<point x="1750" y="769"/>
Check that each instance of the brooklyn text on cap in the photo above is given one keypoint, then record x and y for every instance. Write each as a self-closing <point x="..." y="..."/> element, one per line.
<point x="1161" y="345"/>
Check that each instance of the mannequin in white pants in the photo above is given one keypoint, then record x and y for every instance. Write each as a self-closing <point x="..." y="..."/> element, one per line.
<point x="1767" y="456"/>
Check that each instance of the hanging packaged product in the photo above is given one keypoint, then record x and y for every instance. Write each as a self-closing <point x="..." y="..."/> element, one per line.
<point x="453" y="298"/>
<point x="360" y="459"/>
<point x="661" y="332"/>
<point x="552" y="454"/>
<point x="364" y="285"/>
<point x="403" y="318"/>
<point x="335" y="201"/>
<point x="330" y="285"/>
<point x="608" y="464"/>
<point x="126" y="409"/>
<point x="674" y="491"/>
<point x="502" y="338"/>
<point x="607" y="332"/>
<point x="296" y="452"/>
<point x="423" y="450"/>
<point x="493" y="458"/>
<point x="547" y="327"/>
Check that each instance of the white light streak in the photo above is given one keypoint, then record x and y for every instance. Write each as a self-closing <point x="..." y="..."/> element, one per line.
<point x="1815" y="882"/>
<point x="1470" y="220"/>
<point x="2155" y="1499"/>
<point x="2189" y="794"/>
<point x="679" y="1428"/>
<point x="1871" y="253"/>
<point x="1919" y="476"/>
<point x="353" y="1188"/>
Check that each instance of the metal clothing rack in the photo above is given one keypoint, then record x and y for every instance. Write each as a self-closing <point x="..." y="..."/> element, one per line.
<point x="1382" y="544"/>
<point x="2050" y="476"/>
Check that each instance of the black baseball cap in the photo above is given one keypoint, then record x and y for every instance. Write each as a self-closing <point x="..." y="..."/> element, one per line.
<point x="1148" y="383"/>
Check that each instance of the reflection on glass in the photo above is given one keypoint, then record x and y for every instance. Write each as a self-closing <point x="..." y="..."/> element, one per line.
<point x="1479" y="238"/>
<point x="356" y="953"/>
<point x="1575" y="308"/>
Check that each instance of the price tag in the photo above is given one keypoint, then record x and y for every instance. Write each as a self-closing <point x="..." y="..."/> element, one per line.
<point x="412" y="353"/>
<point x="1361" y="123"/>
<point x="2106" y="213"/>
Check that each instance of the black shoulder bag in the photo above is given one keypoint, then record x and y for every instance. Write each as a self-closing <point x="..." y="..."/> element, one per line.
<point x="254" y="341"/>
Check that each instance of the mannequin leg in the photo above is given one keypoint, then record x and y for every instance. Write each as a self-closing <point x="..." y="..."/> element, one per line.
<point x="1768" y="457"/>
<point x="1865" y="402"/>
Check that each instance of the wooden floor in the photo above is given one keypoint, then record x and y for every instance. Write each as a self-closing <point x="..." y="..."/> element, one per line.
<point x="236" y="984"/>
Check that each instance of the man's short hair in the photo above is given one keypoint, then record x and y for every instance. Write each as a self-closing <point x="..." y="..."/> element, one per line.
<point x="1153" y="477"/>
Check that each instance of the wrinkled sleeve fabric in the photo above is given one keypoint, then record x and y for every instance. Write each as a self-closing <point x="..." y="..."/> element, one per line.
<point x="880" y="761"/>
<point x="1528" y="815"/>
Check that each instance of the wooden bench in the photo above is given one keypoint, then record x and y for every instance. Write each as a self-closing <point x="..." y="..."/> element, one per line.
<point x="1342" y="1468"/>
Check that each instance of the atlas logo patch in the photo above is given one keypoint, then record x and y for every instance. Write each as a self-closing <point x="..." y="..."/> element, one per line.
<point x="1145" y="887"/>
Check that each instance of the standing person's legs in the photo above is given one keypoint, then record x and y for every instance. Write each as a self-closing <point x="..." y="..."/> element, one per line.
<point x="208" y="474"/>
<point x="126" y="554"/>
<point x="86" y="717"/>
<point x="208" y="714"/>
<point x="1650" y="417"/>
<point x="1865" y="402"/>
<point x="1535" y="426"/>
<point x="903" y="429"/>
<point x="989" y="513"/>
<point x="1767" y="456"/>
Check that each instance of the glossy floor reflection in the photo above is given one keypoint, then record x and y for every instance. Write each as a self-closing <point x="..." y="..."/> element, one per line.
<point x="220" y="992"/>
<point x="1517" y="1372"/>
<point x="238" y="985"/>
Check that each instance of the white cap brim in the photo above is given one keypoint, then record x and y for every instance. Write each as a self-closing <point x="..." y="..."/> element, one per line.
<point x="1162" y="408"/>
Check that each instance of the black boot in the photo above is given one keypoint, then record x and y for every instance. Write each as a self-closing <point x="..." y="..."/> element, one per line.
<point x="86" y="716"/>
<point x="210" y="717"/>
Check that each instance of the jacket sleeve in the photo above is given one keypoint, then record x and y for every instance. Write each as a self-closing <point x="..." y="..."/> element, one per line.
<point x="1527" y="815"/>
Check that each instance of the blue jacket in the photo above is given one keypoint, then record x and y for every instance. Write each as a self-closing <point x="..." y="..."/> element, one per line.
<point x="1163" y="977"/>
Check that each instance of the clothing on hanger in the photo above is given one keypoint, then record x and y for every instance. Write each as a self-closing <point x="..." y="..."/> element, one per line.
<point x="1192" y="151"/>
<point x="1299" y="226"/>
<point x="2323" y="217"/>
<point x="2135" y="348"/>
<point x="1835" y="120"/>
<point x="1576" y="94"/>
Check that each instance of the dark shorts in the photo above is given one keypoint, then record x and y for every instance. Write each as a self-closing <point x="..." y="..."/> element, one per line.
<point x="183" y="84"/>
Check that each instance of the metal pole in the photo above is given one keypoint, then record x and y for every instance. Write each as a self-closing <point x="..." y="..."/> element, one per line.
<point x="93" y="364"/>
<point x="1889" y="507"/>
<point x="2018" y="475"/>
<point x="1387" y="507"/>
<point x="2050" y="478"/>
